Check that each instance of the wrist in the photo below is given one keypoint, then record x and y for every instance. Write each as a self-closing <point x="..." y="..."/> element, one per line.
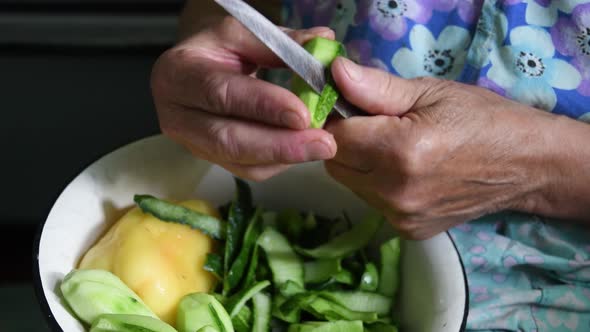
<point x="559" y="173"/>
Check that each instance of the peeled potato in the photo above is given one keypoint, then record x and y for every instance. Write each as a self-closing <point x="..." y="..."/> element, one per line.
<point x="160" y="261"/>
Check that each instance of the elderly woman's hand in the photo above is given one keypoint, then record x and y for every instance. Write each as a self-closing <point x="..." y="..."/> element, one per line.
<point x="209" y="100"/>
<point x="439" y="153"/>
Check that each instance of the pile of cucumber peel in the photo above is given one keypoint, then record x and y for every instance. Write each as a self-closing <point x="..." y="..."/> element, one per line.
<point x="284" y="270"/>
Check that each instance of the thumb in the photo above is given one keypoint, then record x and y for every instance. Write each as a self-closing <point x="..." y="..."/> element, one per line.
<point x="375" y="91"/>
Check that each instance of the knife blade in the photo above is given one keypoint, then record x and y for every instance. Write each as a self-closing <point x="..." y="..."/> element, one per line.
<point x="292" y="54"/>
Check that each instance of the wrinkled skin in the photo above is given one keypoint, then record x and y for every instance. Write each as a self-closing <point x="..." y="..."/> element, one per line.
<point x="436" y="154"/>
<point x="433" y="154"/>
<point x="209" y="100"/>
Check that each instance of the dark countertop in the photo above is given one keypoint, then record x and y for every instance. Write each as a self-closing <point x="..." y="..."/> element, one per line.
<point x="20" y="312"/>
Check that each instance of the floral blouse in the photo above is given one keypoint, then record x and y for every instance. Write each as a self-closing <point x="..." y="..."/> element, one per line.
<point x="525" y="273"/>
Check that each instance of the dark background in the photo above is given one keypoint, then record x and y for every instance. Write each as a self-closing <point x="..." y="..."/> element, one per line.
<point x="74" y="85"/>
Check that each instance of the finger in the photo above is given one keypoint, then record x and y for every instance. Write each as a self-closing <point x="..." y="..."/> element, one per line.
<point x="232" y="36"/>
<point x="305" y="35"/>
<point x="229" y="140"/>
<point x="229" y="94"/>
<point x="374" y="90"/>
<point x="256" y="173"/>
<point x="245" y="97"/>
<point x="362" y="141"/>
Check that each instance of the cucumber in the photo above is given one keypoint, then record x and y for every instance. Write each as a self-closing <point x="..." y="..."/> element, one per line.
<point x="320" y="270"/>
<point x="361" y="301"/>
<point x="336" y="326"/>
<point x="325" y="309"/>
<point x="346" y="305"/>
<point x="370" y="278"/>
<point x="242" y="322"/>
<point x="237" y="301"/>
<point x="198" y="310"/>
<point x="319" y="105"/>
<point x="390" y="256"/>
<point x="241" y="263"/>
<point x="283" y="261"/>
<point x="207" y="328"/>
<point x="240" y="211"/>
<point x="348" y="242"/>
<point x="277" y="302"/>
<point x="214" y="264"/>
<point x="179" y="214"/>
<point x="92" y="293"/>
<point x="262" y="312"/>
<point x="129" y="323"/>
<point x="381" y="327"/>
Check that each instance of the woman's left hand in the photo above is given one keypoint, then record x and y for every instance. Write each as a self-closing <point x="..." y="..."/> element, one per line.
<point x="436" y="153"/>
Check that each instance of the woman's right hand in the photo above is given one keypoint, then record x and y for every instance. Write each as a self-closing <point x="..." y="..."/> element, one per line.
<point x="208" y="99"/>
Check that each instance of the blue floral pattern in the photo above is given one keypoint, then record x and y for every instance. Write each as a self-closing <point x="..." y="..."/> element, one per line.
<point x="525" y="273"/>
<point x="545" y="12"/>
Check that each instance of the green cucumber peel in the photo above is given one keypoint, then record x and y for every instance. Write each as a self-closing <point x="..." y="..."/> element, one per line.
<point x="240" y="212"/>
<point x="381" y="327"/>
<point x="361" y="301"/>
<point x="250" y="278"/>
<point x="91" y="293"/>
<point x="237" y="301"/>
<point x="282" y="259"/>
<point x="345" y="304"/>
<point x="169" y="212"/>
<point x="390" y="256"/>
<point x="291" y="317"/>
<point x="243" y="260"/>
<point x="323" y="308"/>
<point x="370" y="278"/>
<point x="334" y="326"/>
<point x="321" y="270"/>
<point x="348" y="242"/>
<point x="262" y="312"/>
<point x="197" y="310"/>
<point x="214" y="264"/>
<point x="129" y="323"/>
<point x="242" y="322"/>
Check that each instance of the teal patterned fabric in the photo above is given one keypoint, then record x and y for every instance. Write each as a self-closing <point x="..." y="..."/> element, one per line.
<point x="525" y="273"/>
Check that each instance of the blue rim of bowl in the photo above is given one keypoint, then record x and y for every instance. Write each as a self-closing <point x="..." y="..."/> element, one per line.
<point x="54" y="325"/>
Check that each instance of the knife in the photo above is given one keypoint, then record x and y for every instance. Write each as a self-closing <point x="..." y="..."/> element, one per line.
<point x="292" y="54"/>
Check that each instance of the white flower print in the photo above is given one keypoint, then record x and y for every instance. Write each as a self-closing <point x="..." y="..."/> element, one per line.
<point x="527" y="70"/>
<point x="443" y="58"/>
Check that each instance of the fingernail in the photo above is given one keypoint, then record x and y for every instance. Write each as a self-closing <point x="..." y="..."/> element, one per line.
<point x="318" y="150"/>
<point x="319" y="31"/>
<point x="291" y="119"/>
<point x="353" y="71"/>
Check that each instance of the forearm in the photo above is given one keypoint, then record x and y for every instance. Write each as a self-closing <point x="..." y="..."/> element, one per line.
<point x="565" y="170"/>
<point x="199" y="14"/>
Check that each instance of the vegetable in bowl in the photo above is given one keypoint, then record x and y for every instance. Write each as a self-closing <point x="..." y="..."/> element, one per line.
<point x="285" y="270"/>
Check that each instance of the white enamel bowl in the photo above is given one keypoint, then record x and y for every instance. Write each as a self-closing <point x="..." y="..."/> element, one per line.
<point x="433" y="296"/>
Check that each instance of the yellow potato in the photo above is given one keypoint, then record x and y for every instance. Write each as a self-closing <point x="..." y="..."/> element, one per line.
<point x="158" y="260"/>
